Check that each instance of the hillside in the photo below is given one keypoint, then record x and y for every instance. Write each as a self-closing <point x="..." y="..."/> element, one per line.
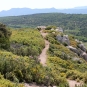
<point x="74" y="24"/>
<point x="19" y="63"/>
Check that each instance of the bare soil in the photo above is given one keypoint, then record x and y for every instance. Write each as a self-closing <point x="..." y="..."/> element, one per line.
<point x="43" y="55"/>
<point x="31" y="85"/>
<point x="73" y="83"/>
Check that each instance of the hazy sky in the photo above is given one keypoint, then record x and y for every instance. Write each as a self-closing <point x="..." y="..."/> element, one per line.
<point x="8" y="4"/>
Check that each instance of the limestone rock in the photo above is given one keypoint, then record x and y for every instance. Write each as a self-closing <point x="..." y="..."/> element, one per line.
<point x="63" y="39"/>
<point x="73" y="49"/>
<point x="59" y="29"/>
<point x="84" y="55"/>
<point x="79" y="52"/>
<point x="82" y="47"/>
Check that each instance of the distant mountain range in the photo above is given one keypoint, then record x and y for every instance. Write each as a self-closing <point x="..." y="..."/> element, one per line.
<point x="27" y="11"/>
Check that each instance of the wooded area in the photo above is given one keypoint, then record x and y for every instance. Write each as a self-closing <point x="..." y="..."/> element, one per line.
<point x="74" y="24"/>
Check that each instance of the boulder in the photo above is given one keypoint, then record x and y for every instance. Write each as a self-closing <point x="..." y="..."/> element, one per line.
<point x="63" y="39"/>
<point x="76" y="59"/>
<point x="79" y="52"/>
<point x="73" y="49"/>
<point x="84" y="55"/>
<point x="59" y="38"/>
<point x="82" y="47"/>
<point x="59" y="29"/>
<point x="66" y="39"/>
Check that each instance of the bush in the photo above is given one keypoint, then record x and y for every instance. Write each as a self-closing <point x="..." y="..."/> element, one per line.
<point x="85" y="77"/>
<point x="74" y="75"/>
<point x="50" y="27"/>
<point x="4" y="37"/>
<point x="26" y="42"/>
<point x="7" y="83"/>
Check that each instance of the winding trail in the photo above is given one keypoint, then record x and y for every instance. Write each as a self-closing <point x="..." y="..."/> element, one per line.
<point x="43" y="55"/>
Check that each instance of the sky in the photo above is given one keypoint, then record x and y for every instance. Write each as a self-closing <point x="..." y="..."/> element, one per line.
<point x="59" y="4"/>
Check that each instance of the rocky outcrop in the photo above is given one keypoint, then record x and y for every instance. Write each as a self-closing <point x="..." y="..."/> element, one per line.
<point x="41" y="27"/>
<point x="79" y="51"/>
<point x="82" y="47"/>
<point x="84" y="55"/>
<point x="63" y="39"/>
<point x="73" y="49"/>
<point x="59" y="29"/>
<point x="77" y="60"/>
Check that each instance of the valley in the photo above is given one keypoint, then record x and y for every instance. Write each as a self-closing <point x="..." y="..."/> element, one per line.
<point x="33" y="56"/>
<point x="72" y="24"/>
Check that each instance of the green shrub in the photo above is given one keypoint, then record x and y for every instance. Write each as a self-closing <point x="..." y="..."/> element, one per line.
<point x="7" y="83"/>
<point x="4" y="37"/>
<point x="85" y="77"/>
<point x="74" y="75"/>
<point x="26" y="42"/>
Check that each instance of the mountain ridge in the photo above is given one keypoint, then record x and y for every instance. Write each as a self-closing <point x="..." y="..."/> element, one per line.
<point x="27" y="11"/>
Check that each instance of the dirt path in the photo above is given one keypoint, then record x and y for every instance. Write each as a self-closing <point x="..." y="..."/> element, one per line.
<point x="72" y="83"/>
<point x="31" y="85"/>
<point x="43" y="55"/>
<point x="43" y="34"/>
<point x="27" y="85"/>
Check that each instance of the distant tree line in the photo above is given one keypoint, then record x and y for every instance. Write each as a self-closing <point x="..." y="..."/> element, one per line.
<point x="74" y="22"/>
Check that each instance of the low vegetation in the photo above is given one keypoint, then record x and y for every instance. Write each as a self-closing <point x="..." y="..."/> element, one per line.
<point x="26" y="42"/>
<point x="61" y="60"/>
<point x="19" y="62"/>
<point x="7" y="83"/>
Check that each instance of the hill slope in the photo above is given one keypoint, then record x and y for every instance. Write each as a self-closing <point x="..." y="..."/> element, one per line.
<point x="20" y="62"/>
